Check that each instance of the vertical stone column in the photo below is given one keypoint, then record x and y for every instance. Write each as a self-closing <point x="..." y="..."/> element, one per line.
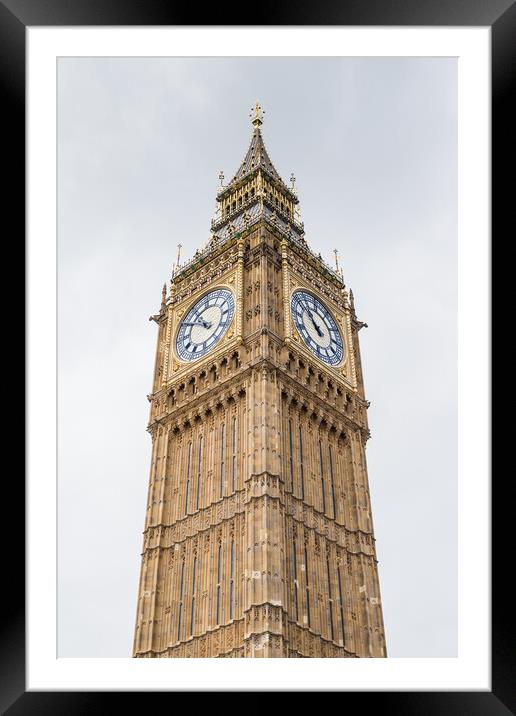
<point x="285" y="291"/>
<point x="264" y="604"/>
<point x="240" y="291"/>
<point x="155" y="614"/>
<point x="145" y="600"/>
<point x="370" y="569"/>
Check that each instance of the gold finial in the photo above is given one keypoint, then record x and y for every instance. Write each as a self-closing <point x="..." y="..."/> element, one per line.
<point x="257" y="117"/>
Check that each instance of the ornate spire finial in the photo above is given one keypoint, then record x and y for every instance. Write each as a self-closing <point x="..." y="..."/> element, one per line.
<point x="293" y="181"/>
<point x="176" y="266"/>
<point x="257" y="117"/>
<point x="335" y="251"/>
<point x="221" y="178"/>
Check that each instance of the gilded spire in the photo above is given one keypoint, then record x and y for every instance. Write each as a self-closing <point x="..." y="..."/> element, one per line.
<point x="256" y="190"/>
<point x="256" y="157"/>
<point x="257" y="117"/>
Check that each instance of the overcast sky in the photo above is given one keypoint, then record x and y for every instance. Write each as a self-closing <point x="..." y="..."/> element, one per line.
<point x="373" y="144"/>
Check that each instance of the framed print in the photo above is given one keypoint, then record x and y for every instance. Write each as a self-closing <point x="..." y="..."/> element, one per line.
<point x="128" y="111"/>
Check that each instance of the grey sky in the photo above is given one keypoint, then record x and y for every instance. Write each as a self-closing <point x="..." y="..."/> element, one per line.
<point x="373" y="144"/>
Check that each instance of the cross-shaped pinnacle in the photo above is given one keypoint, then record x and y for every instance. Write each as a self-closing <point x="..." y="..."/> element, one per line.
<point x="257" y="117"/>
<point x="221" y="178"/>
<point x="293" y="181"/>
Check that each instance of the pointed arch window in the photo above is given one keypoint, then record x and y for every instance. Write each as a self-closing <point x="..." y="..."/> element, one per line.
<point x="222" y="457"/>
<point x="330" y="597"/>
<point x="343" y="630"/>
<point x="290" y="455"/>
<point x="301" y="468"/>
<point x="296" y="584"/>
<point x="219" y="583"/>
<point x="181" y="596"/>
<point x="188" y="475"/>
<point x="332" y="483"/>
<point x="307" y="588"/>
<point x="232" y="582"/>
<point x="199" y="472"/>
<point x="194" y="594"/>
<point x="234" y="456"/>
<point x="321" y="467"/>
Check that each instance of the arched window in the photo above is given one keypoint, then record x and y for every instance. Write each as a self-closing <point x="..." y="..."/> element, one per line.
<point x="232" y="582"/>
<point x="219" y="583"/>
<point x="199" y="472"/>
<point x="307" y="588"/>
<point x="222" y="457"/>
<point x="291" y="468"/>
<point x="343" y="631"/>
<point x="194" y="593"/>
<point x="332" y="483"/>
<point x="234" y="455"/>
<point x="294" y="567"/>
<point x="301" y="469"/>
<point x="321" y="468"/>
<point x="180" y="606"/>
<point x="330" y="598"/>
<point x="188" y="475"/>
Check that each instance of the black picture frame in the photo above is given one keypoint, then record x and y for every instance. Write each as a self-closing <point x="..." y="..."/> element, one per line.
<point x="15" y="17"/>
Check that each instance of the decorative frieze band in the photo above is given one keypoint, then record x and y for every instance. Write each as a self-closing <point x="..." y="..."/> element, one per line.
<point x="259" y="487"/>
<point x="220" y="640"/>
<point x="161" y="535"/>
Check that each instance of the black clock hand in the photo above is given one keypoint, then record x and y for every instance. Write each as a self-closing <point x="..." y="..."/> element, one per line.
<point x="316" y="325"/>
<point x="205" y="324"/>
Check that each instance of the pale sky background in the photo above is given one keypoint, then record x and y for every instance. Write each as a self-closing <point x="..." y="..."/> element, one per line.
<point x="373" y="144"/>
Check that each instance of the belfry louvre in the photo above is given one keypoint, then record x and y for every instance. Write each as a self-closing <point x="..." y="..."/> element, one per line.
<point x="258" y="537"/>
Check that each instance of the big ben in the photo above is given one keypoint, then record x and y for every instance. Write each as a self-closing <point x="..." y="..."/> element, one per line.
<point x="258" y="538"/>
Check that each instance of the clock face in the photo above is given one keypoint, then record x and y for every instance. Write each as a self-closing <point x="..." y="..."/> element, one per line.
<point x="205" y="324"/>
<point x="317" y="327"/>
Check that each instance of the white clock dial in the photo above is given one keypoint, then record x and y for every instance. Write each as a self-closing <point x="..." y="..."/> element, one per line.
<point x="317" y="327"/>
<point x="205" y="324"/>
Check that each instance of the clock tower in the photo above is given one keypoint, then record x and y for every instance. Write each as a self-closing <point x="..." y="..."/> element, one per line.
<point x="258" y="538"/>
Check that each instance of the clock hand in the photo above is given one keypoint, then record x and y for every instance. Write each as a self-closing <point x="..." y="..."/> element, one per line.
<point x="316" y="325"/>
<point x="205" y="324"/>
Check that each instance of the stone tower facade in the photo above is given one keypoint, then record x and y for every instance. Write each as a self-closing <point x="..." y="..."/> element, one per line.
<point x="258" y="537"/>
